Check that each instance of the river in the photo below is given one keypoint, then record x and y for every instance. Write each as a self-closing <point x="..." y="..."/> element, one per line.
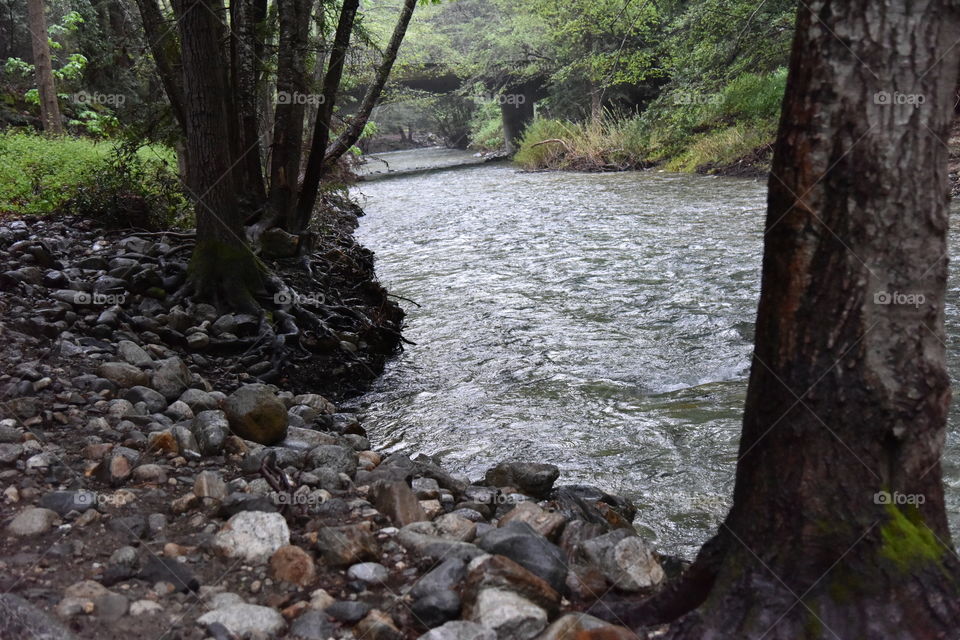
<point x="601" y="322"/>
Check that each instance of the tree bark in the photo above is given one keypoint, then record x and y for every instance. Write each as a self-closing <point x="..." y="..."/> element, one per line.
<point x="49" y="108"/>
<point x="222" y="269"/>
<point x="245" y="51"/>
<point x="292" y="95"/>
<point x="354" y="129"/>
<point x="321" y="130"/>
<point x="166" y="56"/>
<point x="838" y="526"/>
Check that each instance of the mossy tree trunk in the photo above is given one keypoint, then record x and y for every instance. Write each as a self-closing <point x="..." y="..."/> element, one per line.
<point x="43" y="66"/>
<point x="838" y="527"/>
<point x="223" y="270"/>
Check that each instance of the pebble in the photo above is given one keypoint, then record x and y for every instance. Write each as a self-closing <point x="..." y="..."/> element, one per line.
<point x="33" y="521"/>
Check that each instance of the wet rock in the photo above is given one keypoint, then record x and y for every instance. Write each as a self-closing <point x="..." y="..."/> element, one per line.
<point x="171" y="378"/>
<point x="397" y="501"/>
<point x="145" y="608"/>
<point x="110" y="607"/>
<point x="369" y="572"/>
<point x="456" y="527"/>
<point x="509" y="615"/>
<point x="519" y="542"/>
<point x="179" y="411"/>
<point x="460" y="630"/>
<point x="21" y="620"/>
<point x="63" y="502"/>
<point x="334" y="457"/>
<point x="346" y="545"/>
<point x="316" y="402"/>
<point x="377" y="625"/>
<point x="292" y="564"/>
<point x="313" y="625"/>
<point x="156" y="569"/>
<point x="546" y="523"/>
<point x="533" y="478"/>
<point x="150" y="473"/>
<point x="123" y="374"/>
<point x="154" y="400"/>
<point x="209" y="484"/>
<point x="626" y="560"/>
<point x="421" y="539"/>
<point x="210" y="428"/>
<point x="252" y="535"/>
<point x="33" y="521"/>
<point x="246" y="620"/>
<point x="590" y="504"/>
<point x="199" y="400"/>
<point x="445" y="576"/>
<point x="255" y="413"/>
<point x="499" y="572"/>
<point x="116" y="467"/>
<point x="349" y="611"/>
<point x="10" y="453"/>
<point x="436" y="608"/>
<point x="133" y="354"/>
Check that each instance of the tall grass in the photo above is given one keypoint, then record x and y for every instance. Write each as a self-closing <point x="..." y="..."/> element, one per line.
<point x="684" y="130"/>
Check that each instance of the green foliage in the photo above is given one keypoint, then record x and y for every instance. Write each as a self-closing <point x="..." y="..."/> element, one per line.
<point x="116" y="183"/>
<point x="486" y="127"/>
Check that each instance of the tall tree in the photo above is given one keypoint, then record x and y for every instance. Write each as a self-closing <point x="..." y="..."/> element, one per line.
<point x="838" y="527"/>
<point x="43" y="65"/>
<point x="222" y="267"/>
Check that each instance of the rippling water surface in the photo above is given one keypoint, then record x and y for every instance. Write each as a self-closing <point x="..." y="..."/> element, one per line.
<point x="602" y="322"/>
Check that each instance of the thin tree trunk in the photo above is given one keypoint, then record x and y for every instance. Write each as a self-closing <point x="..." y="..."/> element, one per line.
<point x="352" y="133"/>
<point x="321" y="130"/>
<point x="166" y="55"/>
<point x="245" y="48"/>
<point x="223" y="270"/>
<point x="49" y="108"/>
<point x="292" y="94"/>
<point x="838" y="527"/>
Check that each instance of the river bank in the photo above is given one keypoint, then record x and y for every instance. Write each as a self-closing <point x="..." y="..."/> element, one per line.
<point x="153" y="487"/>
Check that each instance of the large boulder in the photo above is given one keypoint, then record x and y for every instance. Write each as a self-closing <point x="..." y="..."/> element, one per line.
<point x="253" y="535"/>
<point x="532" y="478"/>
<point x="256" y="413"/>
<point x="626" y="561"/>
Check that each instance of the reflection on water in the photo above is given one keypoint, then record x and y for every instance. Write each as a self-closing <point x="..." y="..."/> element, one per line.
<point x="602" y="322"/>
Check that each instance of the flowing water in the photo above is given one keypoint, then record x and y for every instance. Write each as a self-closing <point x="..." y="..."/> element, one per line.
<point x="601" y="322"/>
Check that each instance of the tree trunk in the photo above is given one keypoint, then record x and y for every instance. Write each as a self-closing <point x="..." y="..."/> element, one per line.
<point x="516" y="110"/>
<point x="353" y="131"/>
<point x="166" y="55"/>
<point x="245" y="47"/>
<point x="292" y="95"/>
<point x="49" y="108"/>
<point x="838" y="527"/>
<point x="223" y="270"/>
<point x="321" y="130"/>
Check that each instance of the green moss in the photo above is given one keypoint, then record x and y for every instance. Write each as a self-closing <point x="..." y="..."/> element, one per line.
<point x="907" y="542"/>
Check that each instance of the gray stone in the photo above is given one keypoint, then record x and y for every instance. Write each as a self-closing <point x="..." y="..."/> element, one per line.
<point x="171" y="378"/>
<point x="436" y="608"/>
<point x="313" y="625"/>
<point x="519" y="542"/>
<point x="445" y="576"/>
<point x="370" y="572"/>
<point x="209" y="484"/>
<point x="123" y="374"/>
<point x="133" y="353"/>
<point x="349" y="611"/>
<point x="460" y="630"/>
<point x="210" y="428"/>
<point x="253" y="536"/>
<point x="153" y="399"/>
<point x="510" y="616"/>
<point x="421" y="539"/>
<point x="63" y="502"/>
<point x="337" y="458"/>
<point x="533" y="478"/>
<point x="397" y="501"/>
<point x="110" y="607"/>
<point x="626" y="560"/>
<point x="33" y="521"/>
<point x="246" y="619"/>
<point x="199" y="400"/>
<point x="20" y="620"/>
<point x="341" y="546"/>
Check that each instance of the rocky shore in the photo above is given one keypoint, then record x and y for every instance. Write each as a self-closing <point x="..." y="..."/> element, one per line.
<point x="154" y="486"/>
